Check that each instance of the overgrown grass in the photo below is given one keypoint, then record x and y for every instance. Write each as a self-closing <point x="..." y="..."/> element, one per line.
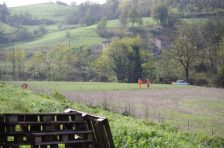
<point x="16" y="100"/>
<point x="189" y="108"/>
<point x="93" y="86"/>
<point x="127" y="131"/>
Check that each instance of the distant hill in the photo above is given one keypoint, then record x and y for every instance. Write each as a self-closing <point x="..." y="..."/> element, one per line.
<point x="80" y="35"/>
<point x="52" y="11"/>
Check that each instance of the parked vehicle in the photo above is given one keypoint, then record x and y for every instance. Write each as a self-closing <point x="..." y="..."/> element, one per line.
<point x="181" y="82"/>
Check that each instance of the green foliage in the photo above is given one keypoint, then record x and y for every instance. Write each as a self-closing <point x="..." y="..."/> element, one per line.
<point x="160" y="12"/>
<point x="124" y="7"/>
<point x="22" y="34"/>
<point x="18" y="100"/>
<point x="134" y="15"/>
<point x="126" y="131"/>
<point x="220" y="75"/>
<point x="40" y="31"/>
<point x="125" y="59"/>
<point x="186" y="47"/>
<point x="102" y="28"/>
<point x="4" y="13"/>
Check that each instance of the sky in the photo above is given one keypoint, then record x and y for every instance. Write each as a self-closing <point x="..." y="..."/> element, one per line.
<point x="14" y="3"/>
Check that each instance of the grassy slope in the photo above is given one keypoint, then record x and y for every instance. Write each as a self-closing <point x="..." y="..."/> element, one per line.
<point x="79" y="35"/>
<point x="7" y="29"/>
<point x="127" y="131"/>
<point x="50" y="11"/>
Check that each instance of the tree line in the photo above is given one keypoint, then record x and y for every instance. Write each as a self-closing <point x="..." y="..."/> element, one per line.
<point x="196" y="55"/>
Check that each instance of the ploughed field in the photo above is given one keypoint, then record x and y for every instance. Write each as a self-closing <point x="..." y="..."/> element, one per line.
<point x="190" y="108"/>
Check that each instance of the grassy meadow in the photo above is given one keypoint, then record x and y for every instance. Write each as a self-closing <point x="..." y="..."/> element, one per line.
<point x="189" y="108"/>
<point x="143" y="133"/>
<point x="80" y="35"/>
<point x="50" y="11"/>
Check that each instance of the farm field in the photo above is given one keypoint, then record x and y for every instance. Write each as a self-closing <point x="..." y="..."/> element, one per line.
<point x="143" y="133"/>
<point x="189" y="108"/>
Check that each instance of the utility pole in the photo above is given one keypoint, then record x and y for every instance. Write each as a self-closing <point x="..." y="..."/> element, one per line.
<point x="13" y="61"/>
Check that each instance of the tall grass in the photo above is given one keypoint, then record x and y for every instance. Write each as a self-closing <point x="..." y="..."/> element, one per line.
<point x="127" y="131"/>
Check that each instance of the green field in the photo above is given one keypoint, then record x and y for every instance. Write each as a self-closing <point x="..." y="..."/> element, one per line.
<point x="79" y="35"/>
<point x="126" y="131"/>
<point x="50" y="11"/>
<point x="189" y="108"/>
<point x="92" y="86"/>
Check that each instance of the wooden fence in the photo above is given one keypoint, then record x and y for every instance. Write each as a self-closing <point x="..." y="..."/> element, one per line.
<point x="70" y="129"/>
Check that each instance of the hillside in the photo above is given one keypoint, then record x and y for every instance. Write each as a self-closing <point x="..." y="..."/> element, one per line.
<point x="80" y="35"/>
<point x="44" y="11"/>
<point x="126" y="131"/>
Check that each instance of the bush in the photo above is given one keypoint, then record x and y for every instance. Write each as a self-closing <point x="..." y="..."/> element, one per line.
<point x="22" y="34"/>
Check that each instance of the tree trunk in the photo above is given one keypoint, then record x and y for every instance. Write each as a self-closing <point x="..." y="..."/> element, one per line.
<point x="187" y="73"/>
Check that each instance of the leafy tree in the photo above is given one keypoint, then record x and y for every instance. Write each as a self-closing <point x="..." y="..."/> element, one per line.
<point x="4" y="13"/>
<point x="123" y="17"/>
<point x="35" y="65"/>
<point x="185" y="49"/>
<point x="3" y="37"/>
<point x="160" y="12"/>
<point x="102" y="28"/>
<point x="41" y="30"/>
<point x="220" y="65"/>
<point x="112" y="9"/>
<point x="212" y="33"/>
<point x="20" y="56"/>
<point x="22" y="34"/>
<point x="134" y="15"/>
<point x="68" y="36"/>
<point x="125" y="59"/>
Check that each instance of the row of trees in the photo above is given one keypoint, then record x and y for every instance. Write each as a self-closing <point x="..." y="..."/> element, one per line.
<point x="122" y="61"/>
<point x="197" y="55"/>
<point x="165" y="10"/>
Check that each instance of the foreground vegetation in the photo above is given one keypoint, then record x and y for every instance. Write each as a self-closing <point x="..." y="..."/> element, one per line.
<point x="127" y="131"/>
<point x="189" y="108"/>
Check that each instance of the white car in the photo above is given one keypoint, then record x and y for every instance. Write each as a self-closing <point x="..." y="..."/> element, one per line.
<point x="181" y="82"/>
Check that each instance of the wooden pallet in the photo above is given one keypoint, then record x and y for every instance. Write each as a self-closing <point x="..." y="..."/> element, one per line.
<point x="71" y="129"/>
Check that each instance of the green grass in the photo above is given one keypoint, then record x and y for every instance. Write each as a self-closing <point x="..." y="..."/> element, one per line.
<point x="7" y="29"/>
<point x="147" y="21"/>
<point x="16" y="100"/>
<point x="79" y="35"/>
<point x="44" y="11"/>
<point x="204" y="114"/>
<point x="209" y="104"/>
<point x="127" y="131"/>
<point x="94" y="86"/>
<point x="195" y="20"/>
